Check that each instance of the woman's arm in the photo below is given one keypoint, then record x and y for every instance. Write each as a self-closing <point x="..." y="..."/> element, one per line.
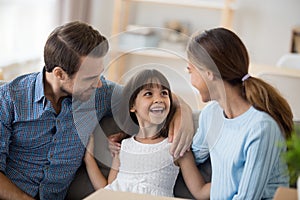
<point x="181" y="130"/>
<point x="262" y="150"/>
<point x="192" y="177"/>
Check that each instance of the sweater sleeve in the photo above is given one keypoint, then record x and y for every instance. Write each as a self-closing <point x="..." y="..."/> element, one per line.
<point x="262" y="151"/>
<point x="199" y="146"/>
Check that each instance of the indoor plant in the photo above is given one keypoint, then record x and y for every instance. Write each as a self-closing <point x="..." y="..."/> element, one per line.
<point x="292" y="156"/>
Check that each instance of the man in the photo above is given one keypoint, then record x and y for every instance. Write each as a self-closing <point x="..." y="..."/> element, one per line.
<point x="42" y="139"/>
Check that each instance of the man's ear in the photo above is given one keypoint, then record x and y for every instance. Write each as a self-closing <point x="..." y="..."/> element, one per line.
<point x="59" y="73"/>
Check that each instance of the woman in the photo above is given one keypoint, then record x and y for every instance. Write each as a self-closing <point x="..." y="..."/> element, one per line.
<point x="244" y="126"/>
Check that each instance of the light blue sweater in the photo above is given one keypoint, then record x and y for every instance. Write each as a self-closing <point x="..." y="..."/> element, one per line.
<point x="245" y="153"/>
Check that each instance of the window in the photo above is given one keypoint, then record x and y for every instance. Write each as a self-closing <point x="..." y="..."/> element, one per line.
<point x="25" y="25"/>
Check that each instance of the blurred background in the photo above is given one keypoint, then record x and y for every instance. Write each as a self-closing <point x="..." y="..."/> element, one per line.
<point x="266" y="27"/>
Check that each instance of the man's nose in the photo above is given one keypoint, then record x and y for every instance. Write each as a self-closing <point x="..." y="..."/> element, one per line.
<point x="97" y="84"/>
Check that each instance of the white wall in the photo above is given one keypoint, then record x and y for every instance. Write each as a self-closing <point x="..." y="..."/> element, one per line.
<point x="264" y="25"/>
<point x="25" y="26"/>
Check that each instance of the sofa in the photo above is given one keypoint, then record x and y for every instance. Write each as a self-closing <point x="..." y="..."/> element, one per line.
<point x="82" y="187"/>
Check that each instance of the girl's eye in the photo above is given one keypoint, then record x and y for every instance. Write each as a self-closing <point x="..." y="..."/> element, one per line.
<point x="147" y="93"/>
<point x="165" y="93"/>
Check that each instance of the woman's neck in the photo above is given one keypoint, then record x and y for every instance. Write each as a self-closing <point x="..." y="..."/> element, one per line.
<point x="233" y="103"/>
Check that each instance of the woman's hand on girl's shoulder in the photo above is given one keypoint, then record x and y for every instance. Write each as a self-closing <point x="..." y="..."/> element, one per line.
<point x="181" y="131"/>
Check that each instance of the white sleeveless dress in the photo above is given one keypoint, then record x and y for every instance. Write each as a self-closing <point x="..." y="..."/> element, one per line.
<point x="145" y="168"/>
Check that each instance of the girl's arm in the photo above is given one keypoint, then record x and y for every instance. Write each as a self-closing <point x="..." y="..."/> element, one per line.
<point x="114" y="170"/>
<point x="192" y="177"/>
<point x="97" y="179"/>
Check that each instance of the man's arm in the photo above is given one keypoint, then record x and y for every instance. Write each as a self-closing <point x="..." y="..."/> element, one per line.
<point x="181" y="130"/>
<point x="9" y="191"/>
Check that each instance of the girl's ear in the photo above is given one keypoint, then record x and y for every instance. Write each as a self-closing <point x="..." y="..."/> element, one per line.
<point x="132" y="109"/>
<point x="59" y="73"/>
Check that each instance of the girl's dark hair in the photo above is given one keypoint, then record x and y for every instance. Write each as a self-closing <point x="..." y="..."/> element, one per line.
<point x="68" y="43"/>
<point x="148" y="78"/>
<point x="223" y="52"/>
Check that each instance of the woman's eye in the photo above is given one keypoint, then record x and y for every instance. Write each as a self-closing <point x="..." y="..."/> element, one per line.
<point x="189" y="70"/>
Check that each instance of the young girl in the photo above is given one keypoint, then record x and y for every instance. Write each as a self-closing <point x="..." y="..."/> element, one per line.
<point x="144" y="164"/>
<point x="245" y="125"/>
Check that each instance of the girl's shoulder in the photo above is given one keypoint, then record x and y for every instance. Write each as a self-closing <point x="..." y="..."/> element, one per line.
<point x="130" y="144"/>
<point x="127" y="140"/>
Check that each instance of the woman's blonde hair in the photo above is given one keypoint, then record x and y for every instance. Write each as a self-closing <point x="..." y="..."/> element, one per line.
<point x="223" y="52"/>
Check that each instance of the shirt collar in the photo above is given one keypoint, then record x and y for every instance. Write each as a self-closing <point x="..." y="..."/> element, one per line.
<point x="39" y="87"/>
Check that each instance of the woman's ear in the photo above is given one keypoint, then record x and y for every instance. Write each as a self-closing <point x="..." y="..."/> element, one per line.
<point x="210" y="75"/>
<point x="59" y="73"/>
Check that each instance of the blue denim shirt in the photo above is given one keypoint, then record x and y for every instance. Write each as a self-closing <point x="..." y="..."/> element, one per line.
<point x="41" y="150"/>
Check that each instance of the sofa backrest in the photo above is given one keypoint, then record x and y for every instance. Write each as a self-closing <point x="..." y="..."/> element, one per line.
<point x="2" y="82"/>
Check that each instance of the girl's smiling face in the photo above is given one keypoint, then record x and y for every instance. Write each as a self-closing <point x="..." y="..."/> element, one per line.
<point x="151" y="105"/>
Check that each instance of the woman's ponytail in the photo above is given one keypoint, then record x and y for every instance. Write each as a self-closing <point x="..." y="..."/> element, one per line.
<point x="266" y="98"/>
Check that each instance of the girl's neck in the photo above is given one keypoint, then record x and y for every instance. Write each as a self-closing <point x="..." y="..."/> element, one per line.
<point x="153" y="140"/>
<point x="148" y="135"/>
